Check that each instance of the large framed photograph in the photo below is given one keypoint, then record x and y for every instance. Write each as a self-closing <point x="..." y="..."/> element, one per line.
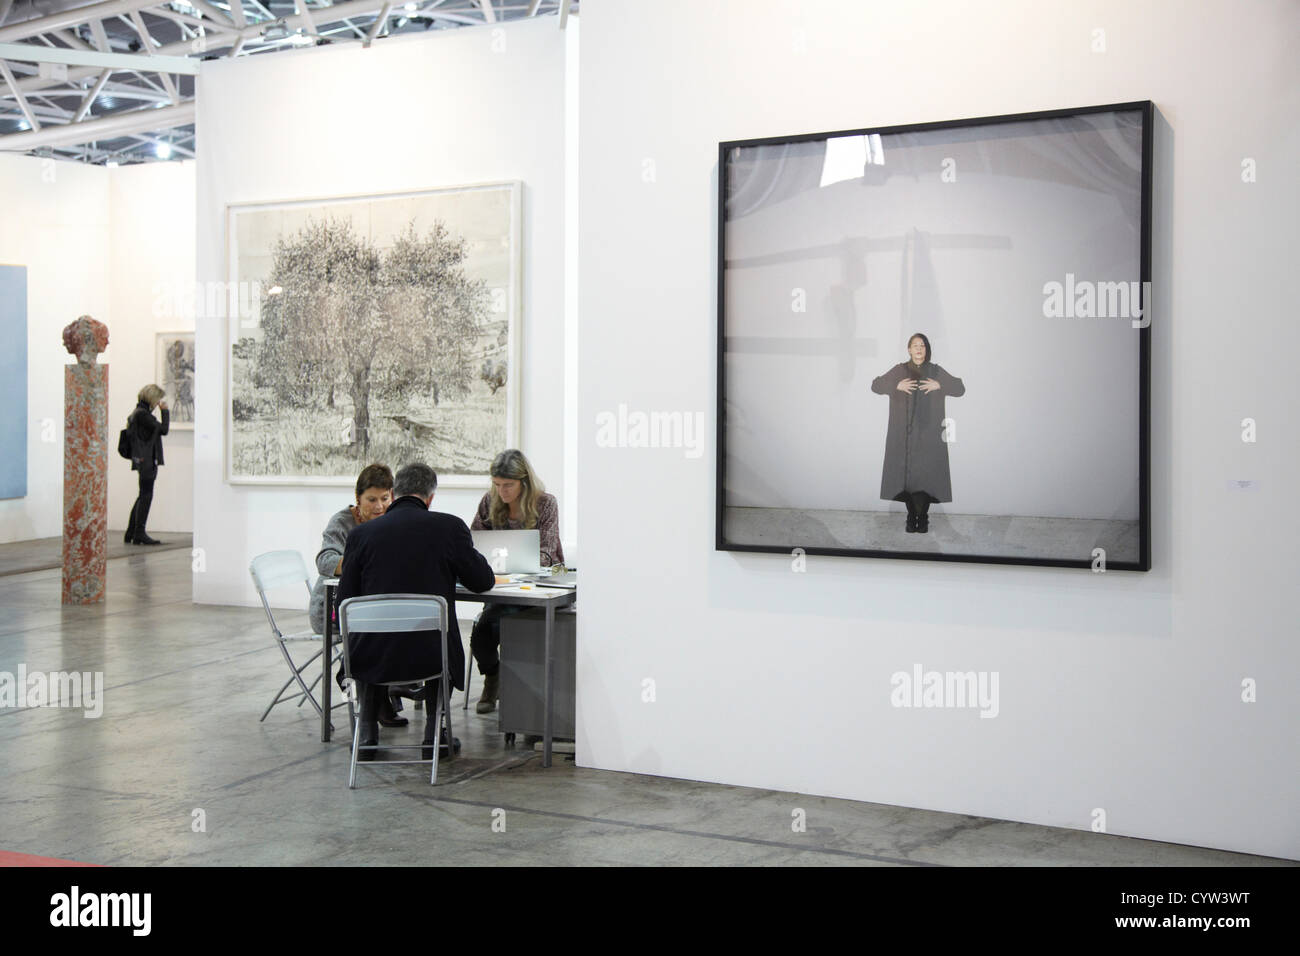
<point x="934" y="340"/>
<point x="373" y="328"/>
<point x="174" y="373"/>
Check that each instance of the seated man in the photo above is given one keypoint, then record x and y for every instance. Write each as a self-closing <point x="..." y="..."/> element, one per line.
<point x="411" y="551"/>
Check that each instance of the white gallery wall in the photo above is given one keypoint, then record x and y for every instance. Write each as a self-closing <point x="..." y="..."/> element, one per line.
<point x="456" y="108"/>
<point x="1120" y="695"/>
<point x="93" y="241"/>
<point x="151" y="262"/>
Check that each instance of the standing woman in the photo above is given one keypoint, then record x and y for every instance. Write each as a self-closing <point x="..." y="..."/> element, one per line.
<point x="516" y="501"/>
<point x="146" y="456"/>
<point x="916" y="456"/>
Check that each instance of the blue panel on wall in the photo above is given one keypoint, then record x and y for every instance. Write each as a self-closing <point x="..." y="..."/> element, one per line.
<point x="13" y="381"/>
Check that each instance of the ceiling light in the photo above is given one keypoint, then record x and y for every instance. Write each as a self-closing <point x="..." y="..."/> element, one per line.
<point x="163" y="150"/>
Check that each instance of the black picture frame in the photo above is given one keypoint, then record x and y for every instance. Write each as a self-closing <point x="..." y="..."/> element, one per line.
<point x="740" y="525"/>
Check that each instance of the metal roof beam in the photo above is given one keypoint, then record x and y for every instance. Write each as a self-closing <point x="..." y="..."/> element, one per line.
<point x="71" y="18"/>
<point x="32" y="121"/>
<point x="187" y="20"/>
<point x="71" y="39"/>
<point x="148" y="43"/>
<point x="214" y="12"/>
<point x="304" y="17"/>
<point x="30" y="53"/>
<point x="378" y="25"/>
<point x="93" y="95"/>
<point x="108" y="127"/>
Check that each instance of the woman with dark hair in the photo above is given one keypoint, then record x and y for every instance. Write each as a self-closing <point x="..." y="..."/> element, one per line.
<point x="146" y="455"/>
<point x="374" y="494"/>
<point x="916" y="456"/>
<point x="516" y="501"/>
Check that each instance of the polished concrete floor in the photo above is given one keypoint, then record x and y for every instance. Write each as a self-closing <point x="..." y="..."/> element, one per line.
<point x="179" y="744"/>
<point x="41" y="553"/>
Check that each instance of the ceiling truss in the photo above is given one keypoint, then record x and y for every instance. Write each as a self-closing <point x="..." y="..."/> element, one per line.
<point x="112" y="81"/>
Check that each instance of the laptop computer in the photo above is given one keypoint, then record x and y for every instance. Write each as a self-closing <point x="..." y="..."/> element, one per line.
<point x="510" y="552"/>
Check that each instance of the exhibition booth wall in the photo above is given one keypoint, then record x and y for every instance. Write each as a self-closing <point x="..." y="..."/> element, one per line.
<point x="411" y="114"/>
<point x="111" y="243"/>
<point x="1154" y="704"/>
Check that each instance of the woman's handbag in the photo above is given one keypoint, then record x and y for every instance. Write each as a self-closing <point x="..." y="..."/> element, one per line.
<point x="124" y="441"/>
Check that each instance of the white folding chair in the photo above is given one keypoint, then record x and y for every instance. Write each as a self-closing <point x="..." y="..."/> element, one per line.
<point x="277" y="569"/>
<point x="383" y="616"/>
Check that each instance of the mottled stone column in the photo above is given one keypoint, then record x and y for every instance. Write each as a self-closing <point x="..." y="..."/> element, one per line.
<point x="85" y="464"/>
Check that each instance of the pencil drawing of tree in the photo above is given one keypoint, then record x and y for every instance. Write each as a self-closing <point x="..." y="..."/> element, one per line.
<point x="371" y="322"/>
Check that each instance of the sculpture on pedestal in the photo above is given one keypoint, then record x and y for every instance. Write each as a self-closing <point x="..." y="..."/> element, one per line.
<point x="85" y="464"/>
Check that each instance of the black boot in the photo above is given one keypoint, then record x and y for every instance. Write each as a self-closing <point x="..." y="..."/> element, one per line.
<point x="911" y="515"/>
<point x="433" y="690"/>
<point x="922" y="506"/>
<point x="141" y="515"/>
<point x="368" y="721"/>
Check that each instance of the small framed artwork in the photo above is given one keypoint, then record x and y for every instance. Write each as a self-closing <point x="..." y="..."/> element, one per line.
<point x="175" y="375"/>
<point x="934" y="340"/>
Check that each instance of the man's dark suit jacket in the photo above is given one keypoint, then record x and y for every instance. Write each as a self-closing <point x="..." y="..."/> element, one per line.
<point x="410" y="550"/>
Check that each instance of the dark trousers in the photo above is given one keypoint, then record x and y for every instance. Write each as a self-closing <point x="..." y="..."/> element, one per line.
<point x="485" y="639"/>
<point x="140" y="510"/>
<point x="373" y="697"/>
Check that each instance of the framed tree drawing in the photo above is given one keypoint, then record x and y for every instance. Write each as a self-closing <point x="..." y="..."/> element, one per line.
<point x="934" y="340"/>
<point x="174" y="373"/>
<point x="373" y="328"/>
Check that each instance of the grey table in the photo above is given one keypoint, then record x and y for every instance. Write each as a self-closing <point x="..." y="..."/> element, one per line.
<point x="538" y="596"/>
<point x="548" y="599"/>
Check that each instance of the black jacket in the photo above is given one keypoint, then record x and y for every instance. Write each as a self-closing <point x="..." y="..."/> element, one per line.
<point x="410" y="550"/>
<point x="146" y="438"/>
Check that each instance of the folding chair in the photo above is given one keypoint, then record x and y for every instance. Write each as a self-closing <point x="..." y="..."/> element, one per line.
<point x="277" y="569"/>
<point x="380" y="617"/>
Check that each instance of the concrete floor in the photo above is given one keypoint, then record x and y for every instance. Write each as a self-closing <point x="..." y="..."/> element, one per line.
<point x="41" y="553"/>
<point x="185" y="684"/>
<point x="1005" y="536"/>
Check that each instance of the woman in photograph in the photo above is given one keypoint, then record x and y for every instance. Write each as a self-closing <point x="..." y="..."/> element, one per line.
<point x="146" y="457"/>
<point x="374" y="492"/>
<point x="516" y="501"/>
<point x="916" y="456"/>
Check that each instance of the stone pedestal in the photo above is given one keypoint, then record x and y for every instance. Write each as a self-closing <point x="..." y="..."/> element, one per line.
<point x="85" y="465"/>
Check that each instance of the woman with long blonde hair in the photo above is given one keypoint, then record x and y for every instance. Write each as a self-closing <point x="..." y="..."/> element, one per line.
<point x="516" y="501"/>
<point x="146" y="456"/>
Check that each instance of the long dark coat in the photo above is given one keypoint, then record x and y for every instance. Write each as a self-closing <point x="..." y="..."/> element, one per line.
<point x="146" y="438"/>
<point x="916" y="456"/>
<point x="410" y="550"/>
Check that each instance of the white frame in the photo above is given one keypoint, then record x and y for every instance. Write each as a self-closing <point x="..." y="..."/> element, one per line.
<point x="158" y="370"/>
<point x="514" y="310"/>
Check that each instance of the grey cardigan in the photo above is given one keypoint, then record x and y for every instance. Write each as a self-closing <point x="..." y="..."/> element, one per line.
<point x="331" y="549"/>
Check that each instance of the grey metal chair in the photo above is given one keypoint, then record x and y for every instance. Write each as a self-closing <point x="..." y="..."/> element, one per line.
<point x="382" y="616"/>
<point x="283" y="569"/>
